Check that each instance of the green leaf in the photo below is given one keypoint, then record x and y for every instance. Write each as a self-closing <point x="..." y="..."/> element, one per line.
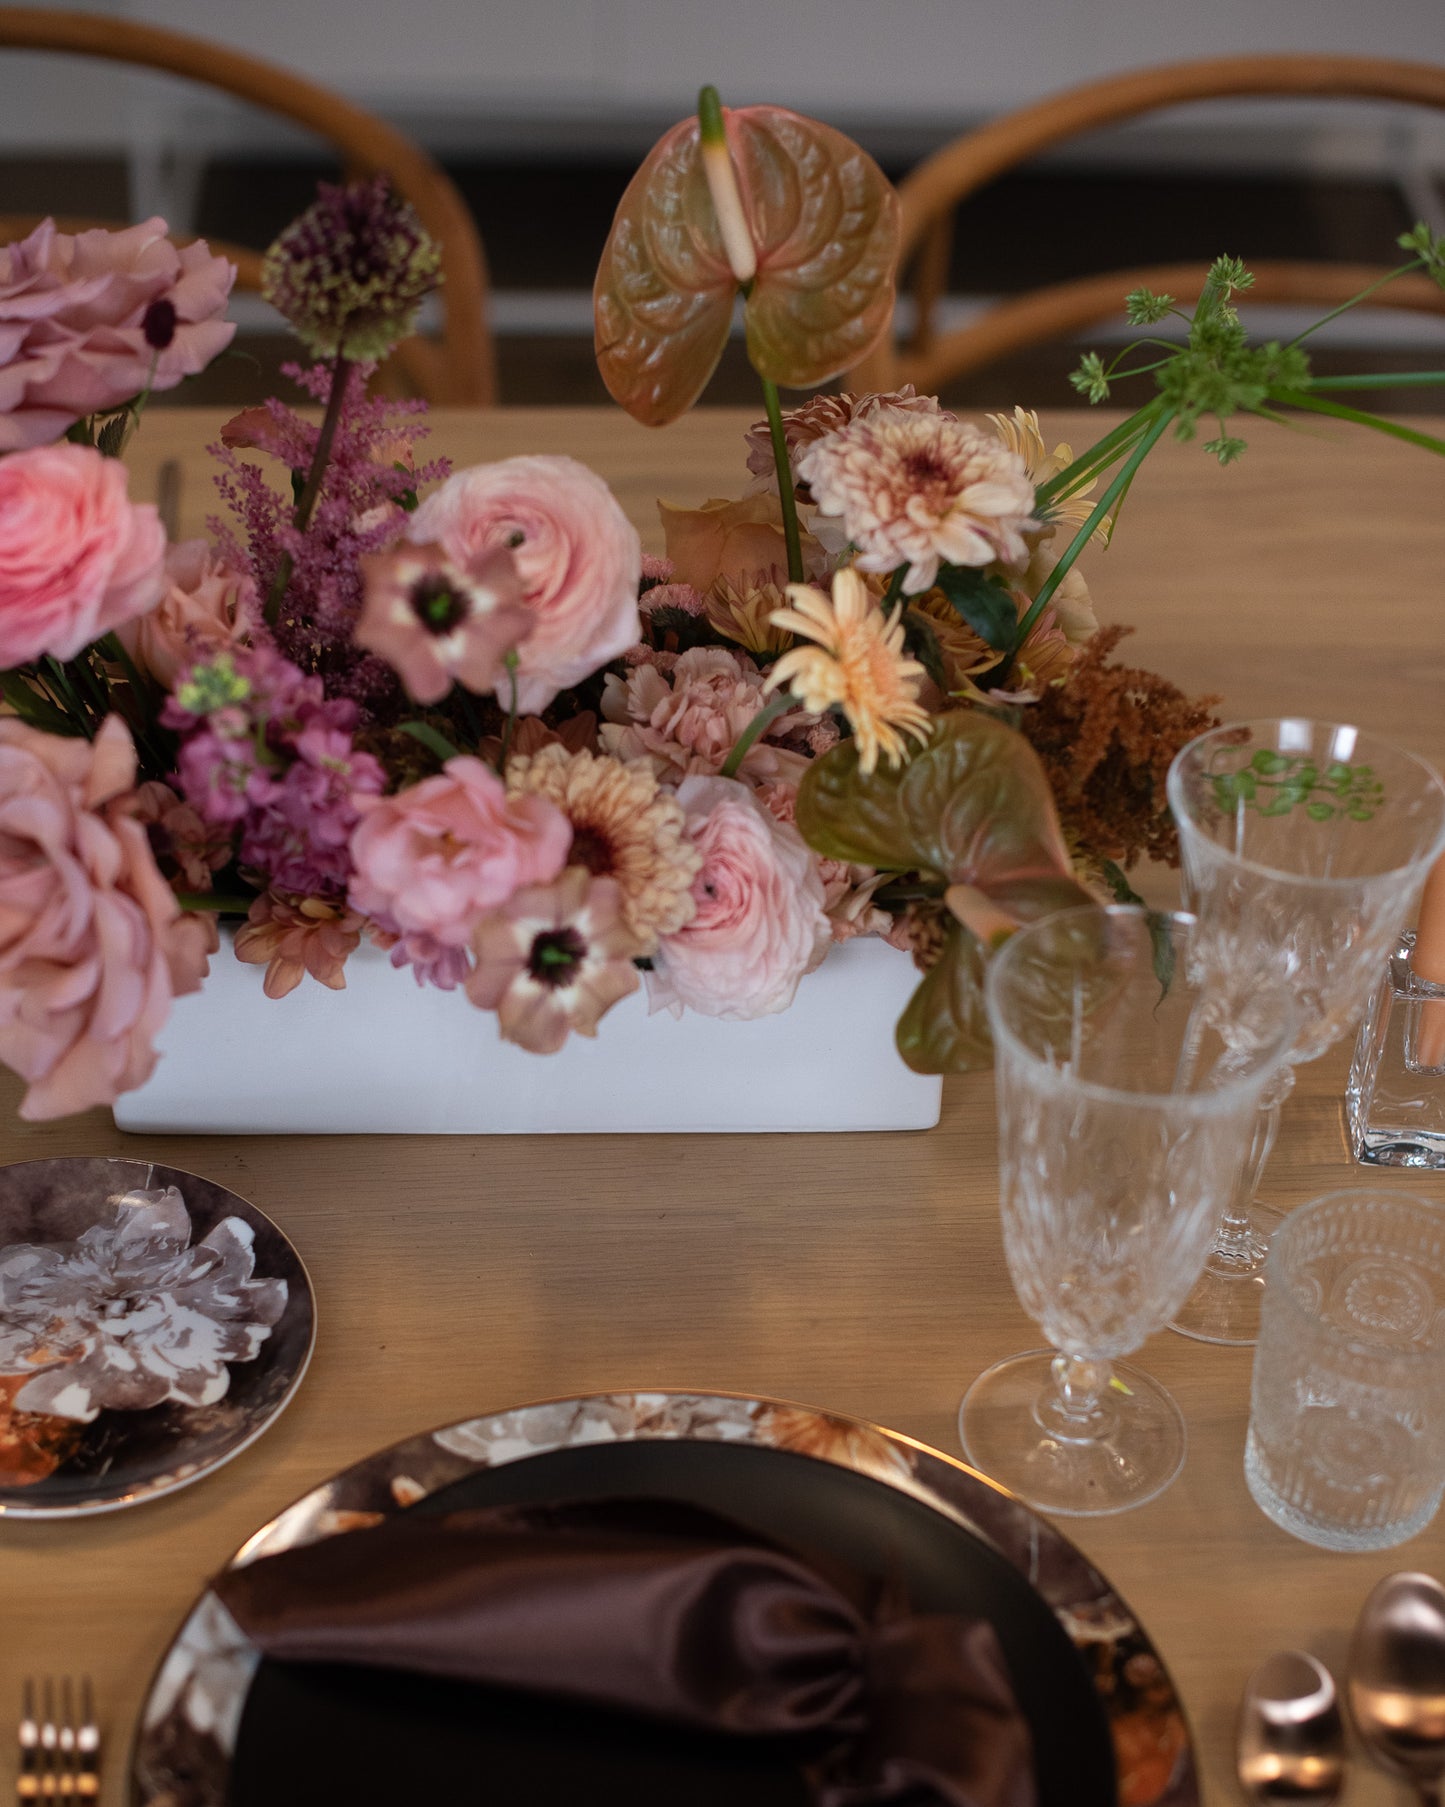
<point x="1119" y="887"/>
<point x="825" y="224"/>
<point x="921" y="643"/>
<point x="431" y="739"/>
<point x="111" y="439"/>
<point x="983" y="602"/>
<point x="944" y="1028"/>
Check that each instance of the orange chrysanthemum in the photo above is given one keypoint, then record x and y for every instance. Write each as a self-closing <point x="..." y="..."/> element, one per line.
<point x="857" y="664"/>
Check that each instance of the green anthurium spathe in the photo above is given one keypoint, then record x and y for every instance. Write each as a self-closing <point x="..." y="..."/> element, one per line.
<point x="823" y="222"/>
<point x="973" y="809"/>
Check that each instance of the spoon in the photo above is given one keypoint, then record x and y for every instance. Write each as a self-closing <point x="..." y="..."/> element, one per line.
<point x="1291" y="1743"/>
<point x="1397" y="1680"/>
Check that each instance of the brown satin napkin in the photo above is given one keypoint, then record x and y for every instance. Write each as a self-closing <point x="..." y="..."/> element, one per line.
<point x="666" y="1612"/>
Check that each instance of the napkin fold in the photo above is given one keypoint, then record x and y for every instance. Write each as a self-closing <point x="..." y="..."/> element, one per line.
<point x="668" y="1612"/>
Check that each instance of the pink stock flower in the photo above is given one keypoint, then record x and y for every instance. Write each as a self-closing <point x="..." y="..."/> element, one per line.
<point x="205" y="606"/>
<point x="759" y="924"/>
<point x="77" y="556"/>
<point x="437" y="856"/>
<point x="86" y="322"/>
<point x="436" y="624"/>
<point x="93" y="946"/>
<point x="578" y="557"/>
<point x="686" y="720"/>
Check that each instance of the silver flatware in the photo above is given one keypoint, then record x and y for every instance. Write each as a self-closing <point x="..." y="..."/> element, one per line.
<point x="1291" y="1740"/>
<point x="59" y="1743"/>
<point x="1396" y="1680"/>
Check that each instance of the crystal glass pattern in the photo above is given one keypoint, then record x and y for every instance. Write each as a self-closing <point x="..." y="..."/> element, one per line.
<point x="1305" y="846"/>
<point x="1125" y="1095"/>
<point x="1347" y="1423"/>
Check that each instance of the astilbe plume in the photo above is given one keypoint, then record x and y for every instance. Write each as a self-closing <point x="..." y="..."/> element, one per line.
<point x="362" y="509"/>
<point x="267" y="753"/>
<point x="1107" y="739"/>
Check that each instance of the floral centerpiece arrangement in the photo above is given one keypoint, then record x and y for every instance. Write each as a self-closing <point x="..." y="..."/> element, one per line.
<point x="461" y="714"/>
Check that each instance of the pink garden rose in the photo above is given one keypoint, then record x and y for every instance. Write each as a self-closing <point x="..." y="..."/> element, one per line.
<point x="434" y="858"/>
<point x="759" y="924"/>
<point x="77" y="556"/>
<point x="204" y="607"/>
<point x="93" y="946"/>
<point x="578" y="557"/>
<point x="87" y="321"/>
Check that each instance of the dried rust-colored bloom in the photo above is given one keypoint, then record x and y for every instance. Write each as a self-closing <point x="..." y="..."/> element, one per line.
<point x="1107" y="738"/>
<point x="351" y="272"/>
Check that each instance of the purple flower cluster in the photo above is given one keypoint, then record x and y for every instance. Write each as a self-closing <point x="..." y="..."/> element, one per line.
<point x="370" y="480"/>
<point x="265" y="752"/>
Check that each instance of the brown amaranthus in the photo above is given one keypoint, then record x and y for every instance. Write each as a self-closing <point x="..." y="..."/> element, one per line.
<point x="1107" y="738"/>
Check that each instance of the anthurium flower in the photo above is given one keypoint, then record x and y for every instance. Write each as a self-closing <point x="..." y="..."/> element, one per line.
<point x="805" y="206"/>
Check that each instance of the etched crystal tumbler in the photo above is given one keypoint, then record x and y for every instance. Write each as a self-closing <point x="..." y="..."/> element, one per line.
<point x="1304" y="846"/>
<point x="1126" y="1093"/>
<point x="1347" y="1420"/>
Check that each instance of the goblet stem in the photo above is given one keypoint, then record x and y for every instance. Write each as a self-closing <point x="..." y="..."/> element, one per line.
<point x="1077" y="1408"/>
<point x="1238" y="1242"/>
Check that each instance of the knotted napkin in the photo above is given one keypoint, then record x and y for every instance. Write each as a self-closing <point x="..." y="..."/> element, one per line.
<point x="668" y="1612"/>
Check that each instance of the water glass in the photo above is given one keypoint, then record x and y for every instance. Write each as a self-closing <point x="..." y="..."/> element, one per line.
<point x="1347" y="1420"/>
<point x="1125" y="1098"/>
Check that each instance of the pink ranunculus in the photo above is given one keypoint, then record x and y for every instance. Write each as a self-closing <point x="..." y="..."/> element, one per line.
<point x="86" y="322"/>
<point x="205" y="606"/>
<point x="759" y="924"/>
<point x="77" y="556"/>
<point x="93" y="945"/>
<point x="578" y="557"/>
<point x="436" y="857"/>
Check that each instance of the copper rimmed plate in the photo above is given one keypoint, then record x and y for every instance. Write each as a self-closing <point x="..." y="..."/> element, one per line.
<point x="142" y="1345"/>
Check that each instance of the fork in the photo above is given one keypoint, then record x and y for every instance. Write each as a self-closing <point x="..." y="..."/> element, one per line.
<point x="59" y="1752"/>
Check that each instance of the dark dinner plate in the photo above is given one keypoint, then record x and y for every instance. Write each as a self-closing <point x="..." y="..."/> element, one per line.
<point x="223" y="1729"/>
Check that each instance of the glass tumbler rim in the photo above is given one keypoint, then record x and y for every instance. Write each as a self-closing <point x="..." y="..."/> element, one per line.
<point x="1221" y="1101"/>
<point x="1174" y="789"/>
<point x="1281" y="1294"/>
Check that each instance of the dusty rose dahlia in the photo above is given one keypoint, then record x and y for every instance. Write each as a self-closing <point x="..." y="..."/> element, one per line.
<point x="824" y="414"/>
<point x="624" y="827"/>
<point x="919" y="490"/>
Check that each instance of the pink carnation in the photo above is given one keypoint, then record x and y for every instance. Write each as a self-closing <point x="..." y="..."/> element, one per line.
<point x="204" y="607"/>
<point x="77" y="556"/>
<point x="578" y="557"/>
<point x="759" y="924"/>
<point x="93" y="946"/>
<point x="436" y="857"/>
<point x="686" y="719"/>
<point x="86" y="322"/>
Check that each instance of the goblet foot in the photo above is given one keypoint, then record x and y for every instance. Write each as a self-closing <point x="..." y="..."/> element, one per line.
<point x="1126" y="1452"/>
<point x="1224" y="1305"/>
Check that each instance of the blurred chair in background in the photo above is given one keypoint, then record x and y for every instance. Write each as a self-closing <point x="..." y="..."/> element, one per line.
<point x="460" y="366"/>
<point x="930" y="194"/>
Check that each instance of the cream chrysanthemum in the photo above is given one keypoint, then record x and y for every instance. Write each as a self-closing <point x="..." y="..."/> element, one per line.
<point x="624" y="827"/>
<point x="920" y="490"/>
<point x="857" y="664"/>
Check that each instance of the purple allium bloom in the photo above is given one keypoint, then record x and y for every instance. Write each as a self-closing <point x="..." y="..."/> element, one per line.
<point x="351" y="272"/>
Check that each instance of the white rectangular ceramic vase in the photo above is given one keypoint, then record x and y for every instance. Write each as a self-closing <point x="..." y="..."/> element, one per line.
<point x="388" y="1056"/>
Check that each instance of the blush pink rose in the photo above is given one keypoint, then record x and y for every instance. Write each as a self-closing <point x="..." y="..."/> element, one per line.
<point x="204" y="607"/>
<point x="93" y="946"/>
<point x="578" y="557"/>
<point x="77" y="556"/>
<point x="87" y="321"/>
<point x="436" y="857"/>
<point x="759" y="924"/>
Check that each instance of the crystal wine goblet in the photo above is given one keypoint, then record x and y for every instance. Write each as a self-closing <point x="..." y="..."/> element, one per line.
<point x="1304" y="846"/>
<point x="1125" y="1095"/>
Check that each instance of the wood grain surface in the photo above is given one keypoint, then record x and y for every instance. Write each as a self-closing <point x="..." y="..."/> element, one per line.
<point x="864" y="1274"/>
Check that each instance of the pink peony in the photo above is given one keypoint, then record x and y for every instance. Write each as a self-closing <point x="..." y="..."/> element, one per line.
<point x="578" y="557"/>
<point x="93" y="946"/>
<point x="759" y="924"/>
<point x="205" y="606"/>
<point x="87" y="322"/>
<point x="436" y="857"/>
<point x="77" y="556"/>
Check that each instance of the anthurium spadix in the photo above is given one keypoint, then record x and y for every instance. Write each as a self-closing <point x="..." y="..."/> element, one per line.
<point x="758" y="201"/>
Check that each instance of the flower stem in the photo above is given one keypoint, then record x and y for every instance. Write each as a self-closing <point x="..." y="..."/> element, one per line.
<point x="311" y="494"/>
<point x="1388" y="379"/>
<point x="1415" y="263"/>
<point x="788" y="499"/>
<point x="1338" y="411"/>
<point x="1103" y="452"/>
<point x="511" y="727"/>
<point x="761" y="722"/>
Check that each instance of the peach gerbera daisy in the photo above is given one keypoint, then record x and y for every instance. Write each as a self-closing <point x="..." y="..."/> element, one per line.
<point x="624" y="827"/>
<point x="1023" y="436"/>
<point x="857" y="664"/>
<point x="743" y="613"/>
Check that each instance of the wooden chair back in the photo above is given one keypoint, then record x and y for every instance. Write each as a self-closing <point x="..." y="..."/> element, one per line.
<point x="931" y="193"/>
<point x="458" y="368"/>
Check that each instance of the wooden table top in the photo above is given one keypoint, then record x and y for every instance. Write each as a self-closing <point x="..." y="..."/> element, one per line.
<point x="863" y="1274"/>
